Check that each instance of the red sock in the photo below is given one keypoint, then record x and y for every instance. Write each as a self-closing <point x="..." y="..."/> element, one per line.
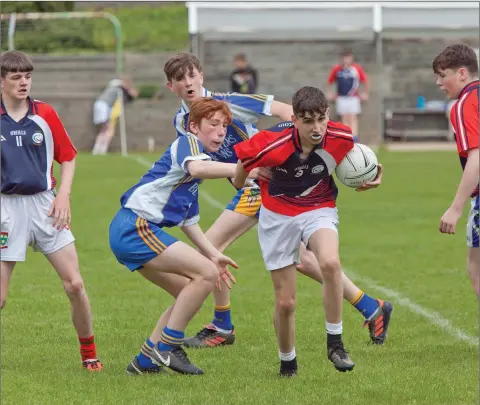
<point x="88" y="349"/>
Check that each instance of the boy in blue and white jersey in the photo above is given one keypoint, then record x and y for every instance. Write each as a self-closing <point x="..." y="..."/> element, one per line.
<point x="167" y="196"/>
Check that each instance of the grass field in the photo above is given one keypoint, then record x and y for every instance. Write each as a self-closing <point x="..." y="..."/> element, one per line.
<point x="389" y="243"/>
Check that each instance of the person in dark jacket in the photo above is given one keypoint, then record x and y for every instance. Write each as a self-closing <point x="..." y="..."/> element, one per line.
<point x="244" y="78"/>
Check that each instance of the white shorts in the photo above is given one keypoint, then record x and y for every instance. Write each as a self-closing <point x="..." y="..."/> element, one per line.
<point x="280" y="235"/>
<point x="348" y="105"/>
<point x="473" y="225"/>
<point x="101" y="112"/>
<point x="24" y="223"/>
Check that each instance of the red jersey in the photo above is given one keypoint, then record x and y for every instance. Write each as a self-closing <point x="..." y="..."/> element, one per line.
<point x="297" y="185"/>
<point x="464" y="119"/>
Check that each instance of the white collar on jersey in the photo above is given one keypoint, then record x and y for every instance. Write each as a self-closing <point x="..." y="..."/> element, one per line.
<point x="205" y="93"/>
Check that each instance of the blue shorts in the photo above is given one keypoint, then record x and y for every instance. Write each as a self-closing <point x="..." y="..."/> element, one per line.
<point x="135" y="241"/>
<point x="247" y="202"/>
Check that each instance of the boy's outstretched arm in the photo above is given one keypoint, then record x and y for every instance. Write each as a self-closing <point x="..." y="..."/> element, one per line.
<point x="282" y="110"/>
<point x="206" y="169"/>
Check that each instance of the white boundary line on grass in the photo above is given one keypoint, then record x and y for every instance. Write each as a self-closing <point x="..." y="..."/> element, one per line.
<point x="432" y="316"/>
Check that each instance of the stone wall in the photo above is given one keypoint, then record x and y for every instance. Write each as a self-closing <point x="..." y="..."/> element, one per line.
<point x="72" y="83"/>
<point x="285" y="66"/>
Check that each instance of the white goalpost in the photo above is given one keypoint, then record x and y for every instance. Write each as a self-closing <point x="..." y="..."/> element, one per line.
<point x="13" y="18"/>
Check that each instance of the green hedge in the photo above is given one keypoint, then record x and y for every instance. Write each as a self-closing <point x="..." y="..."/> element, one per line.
<point x="149" y="28"/>
<point x="148" y="90"/>
<point x="144" y="29"/>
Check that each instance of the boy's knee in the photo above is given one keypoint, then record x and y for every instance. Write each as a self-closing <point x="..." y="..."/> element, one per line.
<point x="331" y="265"/>
<point x="210" y="274"/>
<point x="286" y="304"/>
<point x="74" y="287"/>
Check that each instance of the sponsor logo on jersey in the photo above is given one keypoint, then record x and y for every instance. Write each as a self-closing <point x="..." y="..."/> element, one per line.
<point x="193" y="189"/>
<point x="18" y="132"/>
<point x="299" y="170"/>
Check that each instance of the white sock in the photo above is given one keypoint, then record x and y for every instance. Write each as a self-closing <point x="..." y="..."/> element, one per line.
<point x="96" y="148"/>
<point x="334" y="328"/>
<point x="287" y="356"/>
<point x="103" y="149"/>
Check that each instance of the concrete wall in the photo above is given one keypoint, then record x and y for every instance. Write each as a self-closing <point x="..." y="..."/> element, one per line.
<point x="286" y="66"/>
<point x="72" y="83"/>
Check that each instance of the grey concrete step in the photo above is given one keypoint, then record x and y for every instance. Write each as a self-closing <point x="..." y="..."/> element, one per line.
<point x="67" y="58"/>
<point x="71" y="84"/>
<point x="93" y="66"/>
<point x="51" y="96"/>
<point x="74" y="62"/>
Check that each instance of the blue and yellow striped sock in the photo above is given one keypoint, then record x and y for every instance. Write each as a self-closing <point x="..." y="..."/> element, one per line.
<point x="143" y="357"/>
<point x="365" y="304"/>
<point x="170" y="339"/>
<point x="222" y="318"/>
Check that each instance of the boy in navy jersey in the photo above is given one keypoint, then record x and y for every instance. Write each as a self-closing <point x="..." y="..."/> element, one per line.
<point x="33" y="213"/>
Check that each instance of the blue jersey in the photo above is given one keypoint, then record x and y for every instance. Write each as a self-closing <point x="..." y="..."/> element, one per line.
<point x="167" y="195"/>
<point x="246" y="110"/>
<point x="29" y="147"/>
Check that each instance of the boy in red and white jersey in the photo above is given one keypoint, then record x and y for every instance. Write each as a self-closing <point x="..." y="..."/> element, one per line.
<point x="299" y="205"/>
<point x="456" y="68"/>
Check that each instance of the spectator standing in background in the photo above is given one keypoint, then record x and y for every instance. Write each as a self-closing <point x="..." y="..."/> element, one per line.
<point x="244" y="78"/>
<point x="107" y="110"/>
<point x="347" y="77"/>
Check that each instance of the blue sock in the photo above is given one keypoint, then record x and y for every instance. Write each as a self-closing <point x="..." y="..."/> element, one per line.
<point x="144" y="357"/>
<point x="365" y="304"/>
<point x="221" y="317"/>
<point x="170" y="339"/>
